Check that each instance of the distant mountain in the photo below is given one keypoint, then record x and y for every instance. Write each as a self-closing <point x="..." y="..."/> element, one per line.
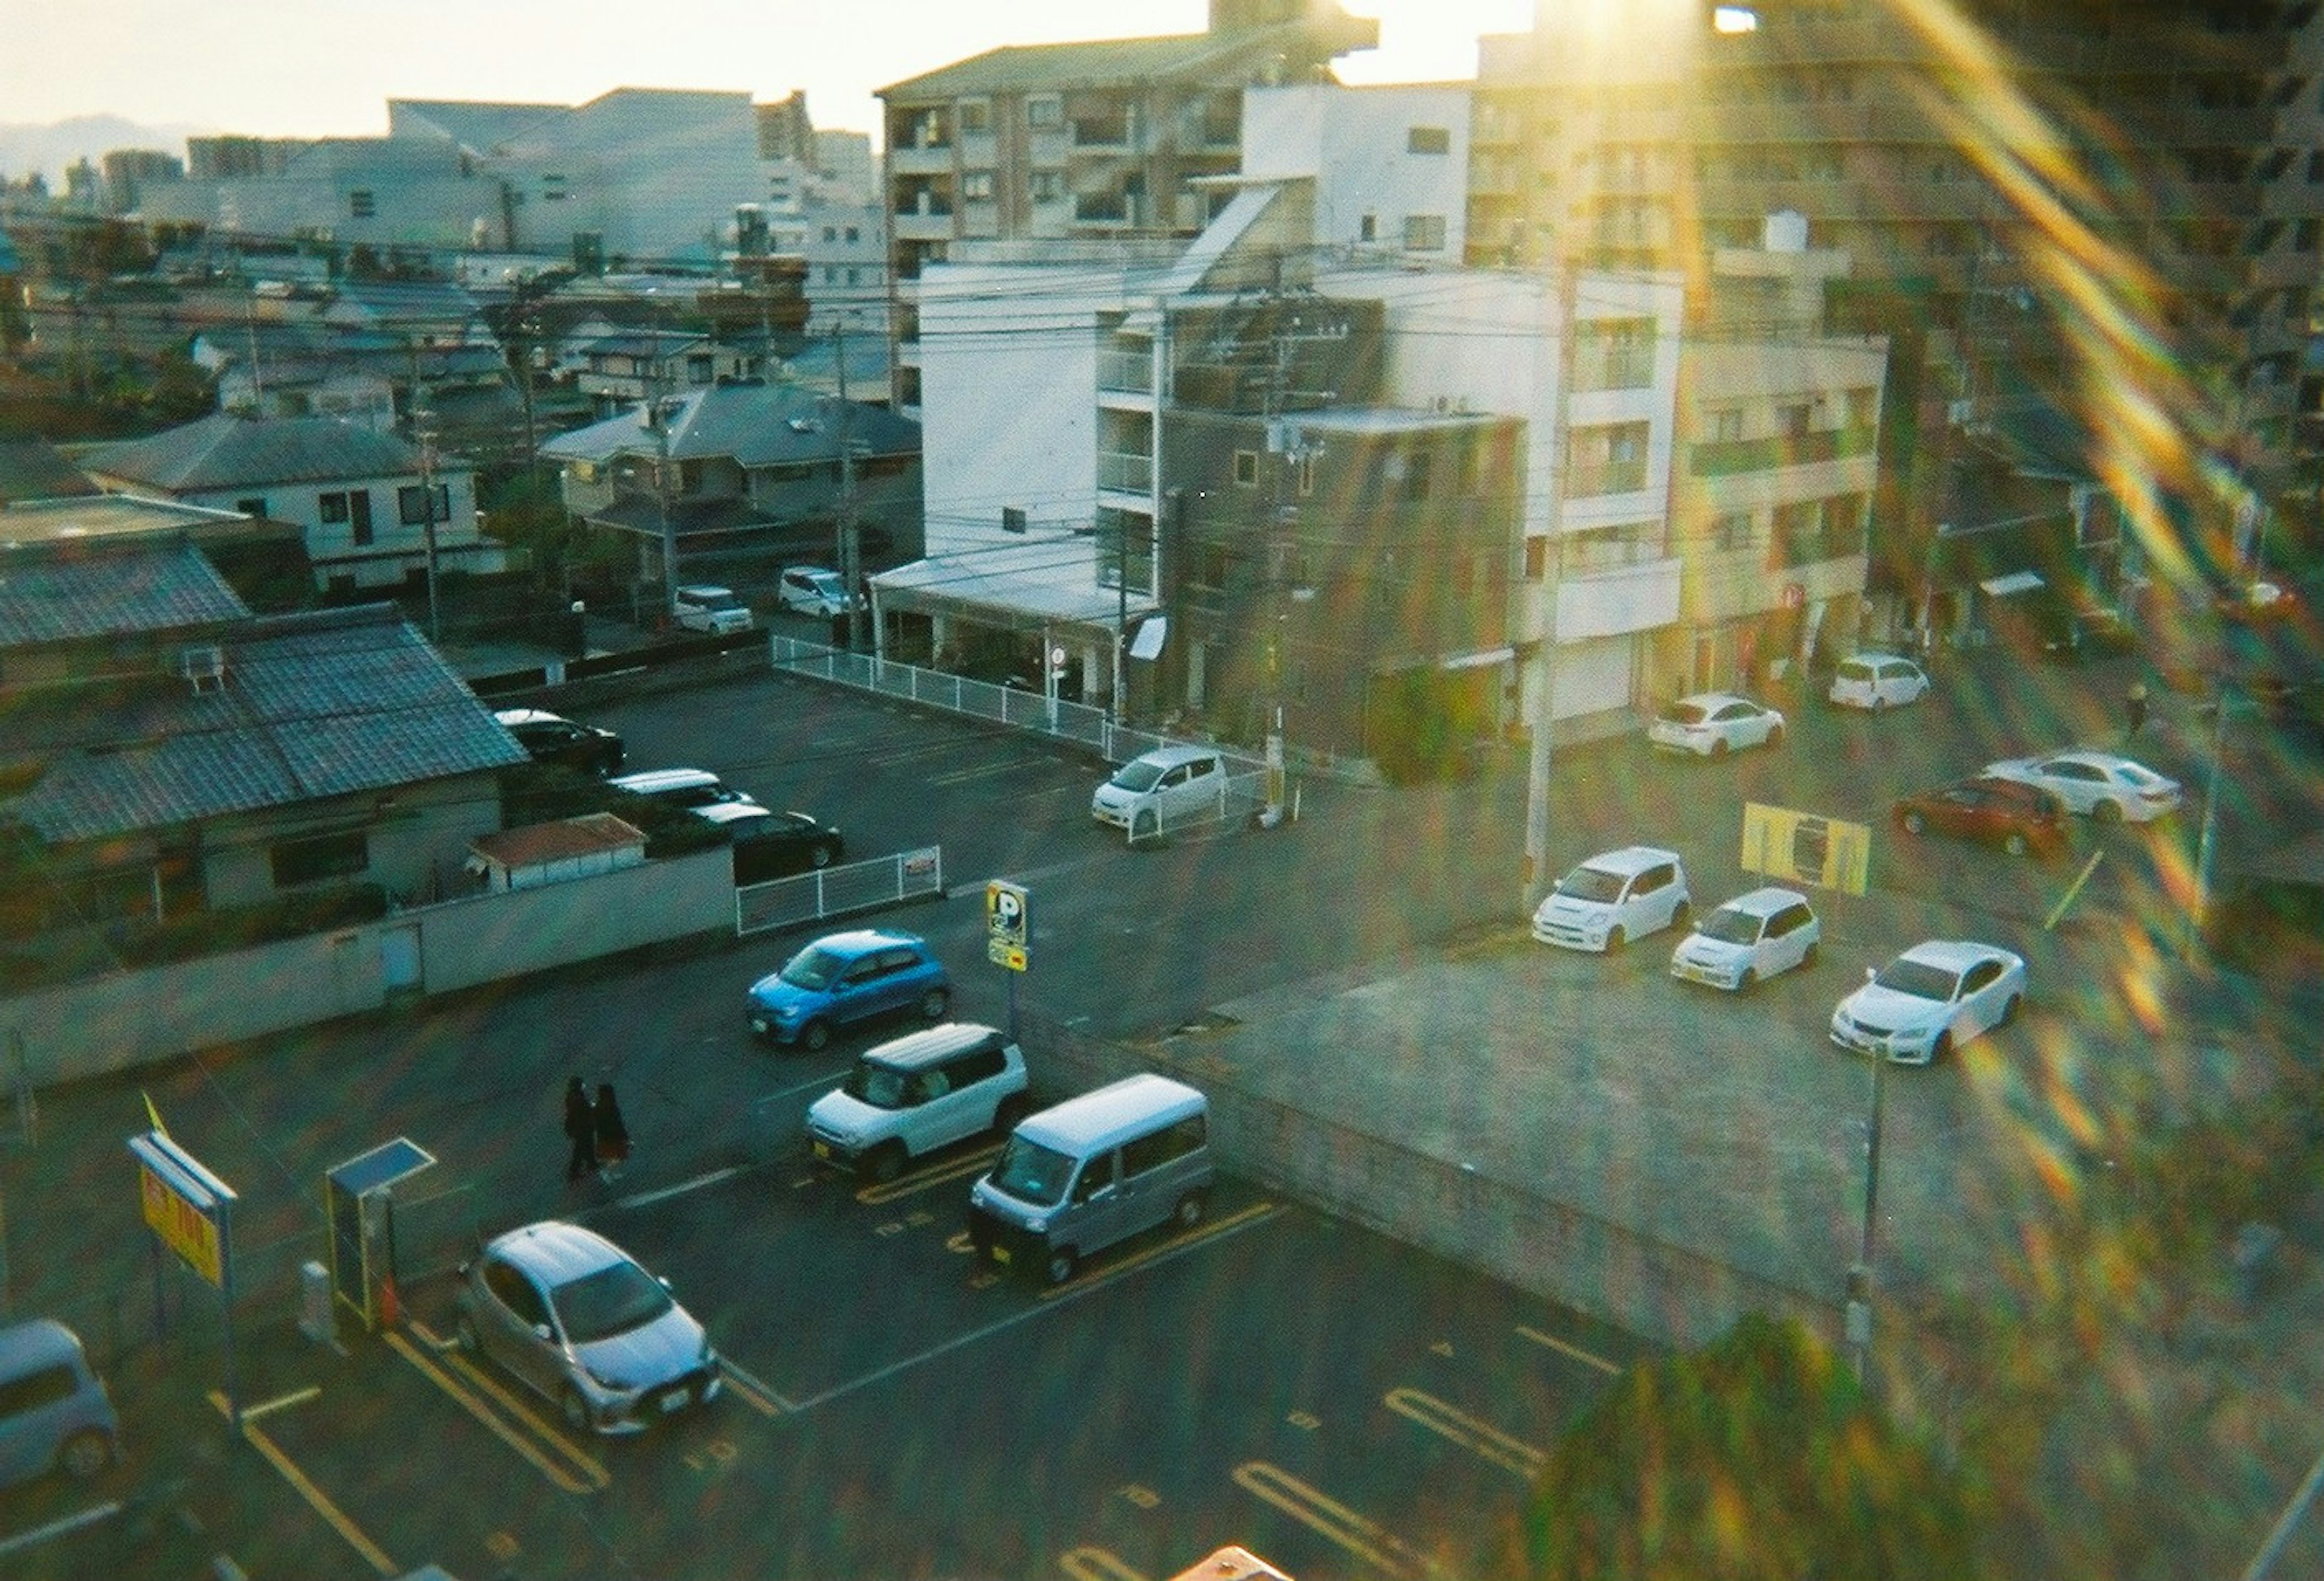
<point x="51" y="149"/>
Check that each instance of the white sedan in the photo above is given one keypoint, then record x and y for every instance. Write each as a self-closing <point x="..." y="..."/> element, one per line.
<point x="2104" y="786"/>
<point x="1930" y="1001"/>
<point x="1715" y="723"/>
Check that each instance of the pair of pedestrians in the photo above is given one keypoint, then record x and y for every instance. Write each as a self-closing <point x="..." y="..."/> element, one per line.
<point x="600" y="1137"/>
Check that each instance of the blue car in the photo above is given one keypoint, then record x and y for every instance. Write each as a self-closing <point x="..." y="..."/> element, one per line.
<point x="848" y="977"/>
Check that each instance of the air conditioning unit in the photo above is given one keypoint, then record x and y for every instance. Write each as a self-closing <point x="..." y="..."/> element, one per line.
<point x="204" y="668"/>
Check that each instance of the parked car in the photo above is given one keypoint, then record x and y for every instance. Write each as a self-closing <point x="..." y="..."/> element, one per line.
<point x="843" y="978"/>
<point x="1877" y="681"/>
<point x="551" y="737"/>
<point x="693" y="788"/>
<point x="1614" y="897"/>
<point x="2104" y="786"/>
<point x="1930" y="1001"/>
<point x="55" y="1415"/>
<point x="578" y="1320"/>
<point x="704" y="607"/>
<point x="917" y="1093"/>
<point x="1162" y="790"/>
<point x="1713" y="724"/>
<point x="811" y="590"/>
<point x="2017" y="817"/>
<point x="1749" y="939"/>
<point x="768" y="844"/>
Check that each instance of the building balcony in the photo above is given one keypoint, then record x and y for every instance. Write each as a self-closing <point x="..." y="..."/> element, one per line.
<point x="922" y="226"/>
<point x="920" y="160"/>
<point x="1714" y="458"/>
<point x="1126" y="372"/>
<point x="1107" y="208"/>
<point x="1122" y="473"/>
<point x="1618" y="599"/>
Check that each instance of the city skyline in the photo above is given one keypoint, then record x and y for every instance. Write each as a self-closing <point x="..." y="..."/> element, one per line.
<point x="328" y="67"/>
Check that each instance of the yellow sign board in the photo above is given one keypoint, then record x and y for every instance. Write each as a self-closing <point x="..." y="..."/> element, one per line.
<point x="1802" y="848"/>
<point x="183" y="1228"/>
<point x="1008" y="908"/>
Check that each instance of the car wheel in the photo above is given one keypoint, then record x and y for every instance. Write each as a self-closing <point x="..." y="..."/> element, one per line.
<point x="2107" y="813"/>
<point x="886" y="1162"/>
<point x="1011" y="1110"/>
<point x="1143" y="826"/>
<point x="85" y="1454"/>
<point x="1615" y="940"/>
<point x="1190" y="1210"/>
<point x="822" y="856"/>
<point x="1808" y="958"/>
<point x="1915" y="825"/>
<point x="1718" y="747"/>
<point x="1744" y="984"/>
<point x="574" y="1409"/>
<point x="464" y="1335"/>
<point x="815" y="1035"/>
<point x="1062" y="1263"/>
<point x="2008" y="1011"/>
<point x="934" y="1003"/>
<point x="1879" y="704"/>
<point x="1682" y="914"/>
<point x="1775" y="736"/>
<point x="2015" y="844"/>
<point x="1942" y="1048"/>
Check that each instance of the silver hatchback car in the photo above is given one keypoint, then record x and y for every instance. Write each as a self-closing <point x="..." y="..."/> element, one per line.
<point x="574" y="1318"/>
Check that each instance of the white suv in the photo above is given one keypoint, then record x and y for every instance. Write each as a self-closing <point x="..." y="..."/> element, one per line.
<point x="1613" y="898"/>
<point x="810" y="590"/>
<point x="917" y="1093"/>
<point x="714" y="610"/>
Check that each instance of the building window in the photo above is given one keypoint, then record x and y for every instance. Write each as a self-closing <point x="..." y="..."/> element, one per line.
<point x="831" y="232"/>
<point x="1368" y="228"/>
<point x="360" y="203"/>
<point x="352" y="509"/>
<point x="1210" y="567"/>
<point x="1012" y="518"/>
<point x="1424" y="232"/>
<point x="1428" y="140"/>
<point x="1245" y="468"/>
<point x="854" y="233"/>
<point x="1537" y="558"/>
<point x="1726" y="427"/>
<point x="1609" y="459"/>
<point x="1048" y="186"/>
<point x="1615" y="353"/>
<point x="976" y="115"/>
<point x="411" y="504"/>
<point x="1417" y="468"/>
<point x="319" y="858"/>
<point x="976" y="185"/>
<point x="1732" y="532"/>
<point x="700" y="368"/>
<point x="1044" y="111"/>
<point x="1305" y="471"/>
<point x="331" y="508"/>
<point x="256" y="507"/>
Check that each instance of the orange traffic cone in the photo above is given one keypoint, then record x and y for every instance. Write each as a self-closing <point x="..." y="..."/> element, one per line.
<point x="391" y="1306"/>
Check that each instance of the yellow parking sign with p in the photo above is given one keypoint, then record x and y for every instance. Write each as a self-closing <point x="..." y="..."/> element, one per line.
<point x="1007" y="928"/>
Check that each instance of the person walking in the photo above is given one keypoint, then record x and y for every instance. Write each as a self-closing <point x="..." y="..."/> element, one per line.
<point x="613" y="1136"/>
<point x="581" y="1127"/>
<point x="2134" y="712"/>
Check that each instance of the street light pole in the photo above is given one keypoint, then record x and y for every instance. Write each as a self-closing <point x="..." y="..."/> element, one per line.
<point x="1860" y="1276"/>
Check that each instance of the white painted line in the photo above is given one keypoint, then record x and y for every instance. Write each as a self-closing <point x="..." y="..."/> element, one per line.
<point x="822" y="1083"/>
<point x="1059" y="1300"/>
<point x="642" y="1198"/>
<point x="755" y="1384"/>
<point x="40" y="1534"/>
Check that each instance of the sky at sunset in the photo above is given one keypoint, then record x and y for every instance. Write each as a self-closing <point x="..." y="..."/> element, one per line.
<point x="313" y="67"/>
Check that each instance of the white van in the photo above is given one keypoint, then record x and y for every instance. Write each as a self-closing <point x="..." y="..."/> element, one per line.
<point x="1168" y="788"/>
<point x="715" y="610"/>
<point x="54" y="1412"/>
<point x="1096" y="1169"/>
<point x="917" y="1093"/>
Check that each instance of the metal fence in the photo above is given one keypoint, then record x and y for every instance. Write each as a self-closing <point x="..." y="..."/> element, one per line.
<point x="1013" y="706"/>
<point x="846" y="886"/>
<point x="1240" y="799"/>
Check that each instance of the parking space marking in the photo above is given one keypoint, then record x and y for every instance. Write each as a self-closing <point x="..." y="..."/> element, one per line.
<point x="255" y="1435"/>
<point x="59" y="1527"/>
<point x="919" y="1181"/>
<point x="1479" y="1438"/>
<point x="983" y="771"/>
<point x="753" y="1391"/>
<point x="1366" y="1538"/>
<point x="1087" y="1563"/>
<point x="1612" y="1369"/>
<point x="1175" y="1244"/>
<point x="1062" y="1294"/>
<point x="594" y="1475"/>
<point x="641" y="1198"/>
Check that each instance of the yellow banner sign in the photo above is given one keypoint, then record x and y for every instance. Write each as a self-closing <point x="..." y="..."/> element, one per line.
<point x="185" y="1228"/>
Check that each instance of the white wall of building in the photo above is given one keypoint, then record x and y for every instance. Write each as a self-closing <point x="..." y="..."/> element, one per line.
<point x="395" y="549"/>
<point x="1359" y="146"/>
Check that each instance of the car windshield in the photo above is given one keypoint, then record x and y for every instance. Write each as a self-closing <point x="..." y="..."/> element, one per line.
<point x="1853" y="671"/>
<point x="1591" y="883"/>
<point x="813" y="967"/>
<point x="1731" y="926"/>
<point x="1136" y="775"/>
<point x="1685" y="714"/>
<point x="828" y="586"/>
<point x="612" y="1301"/>
<point x="1918" y="979"/>
<point x="1033" y="1173"/>
<point x="881" y="1086"/>
<point x="716" y="601"/>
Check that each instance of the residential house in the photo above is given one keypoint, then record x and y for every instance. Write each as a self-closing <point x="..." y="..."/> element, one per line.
<point x="162" y="753"/>
<point x="731" y="484"/>
<point x="376" y="511"/>
<point x="264" y="562"/>
<point x="1103" y="139"/>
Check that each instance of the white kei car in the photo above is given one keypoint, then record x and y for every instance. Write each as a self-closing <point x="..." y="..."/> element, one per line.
<point x="1749" y="939"/>
<point x="1930" y="1001"/>
<point x="1877" y="681"/>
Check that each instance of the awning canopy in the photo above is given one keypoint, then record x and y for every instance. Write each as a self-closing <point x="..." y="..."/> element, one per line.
<point x="2015" y="582"/>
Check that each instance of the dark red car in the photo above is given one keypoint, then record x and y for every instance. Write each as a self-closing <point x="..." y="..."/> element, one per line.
<point x="2020" y="819"/>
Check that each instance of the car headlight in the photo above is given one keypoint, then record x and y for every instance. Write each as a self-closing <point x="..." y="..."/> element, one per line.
<point x="1039" y="1226"/>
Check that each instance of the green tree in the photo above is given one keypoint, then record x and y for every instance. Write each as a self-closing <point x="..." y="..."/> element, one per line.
<point x="1756" y="1457"/>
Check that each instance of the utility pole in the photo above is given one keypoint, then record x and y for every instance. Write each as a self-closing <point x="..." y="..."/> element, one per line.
<point x="851" y="538"/>
<point x="658" y="422"/>
<point x="427" y="436"/>
<point x="1858" y="1314"/>
<point x="1541" y="703"/>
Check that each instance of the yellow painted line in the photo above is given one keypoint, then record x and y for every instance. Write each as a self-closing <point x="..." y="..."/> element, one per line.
<point x="477" y="1375"/>
<point x="475" y="1408"/>
<point x="1136" y="1260"/>
<point x="307" y="1490"/>
<point x="1479" y="1438"/>
<point x="921" y="1179"/>
<point x="1338" y="1524"/>
<point x="1575" y="1351"/>
<point x="296" y="1397"/>
<point x="1095" y="1564"/>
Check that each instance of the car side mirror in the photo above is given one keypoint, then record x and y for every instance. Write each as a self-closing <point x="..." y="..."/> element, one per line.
<point x="1870" y="972"/>
<point x="540" y="1331"/>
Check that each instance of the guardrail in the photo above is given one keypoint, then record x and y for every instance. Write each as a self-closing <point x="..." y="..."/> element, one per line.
<point x="847" y="886"/>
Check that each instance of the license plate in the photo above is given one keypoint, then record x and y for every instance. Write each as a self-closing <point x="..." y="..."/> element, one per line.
<point x="822" y="1149"/>
<point x="757" y="1025"/>
<point x="676" y="1400"/>
<point x="1001" y="1254"/>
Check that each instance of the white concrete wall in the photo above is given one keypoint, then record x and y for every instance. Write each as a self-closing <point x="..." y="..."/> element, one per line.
<point x="395" y="546"/>
<point x="1355" y="141"/>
